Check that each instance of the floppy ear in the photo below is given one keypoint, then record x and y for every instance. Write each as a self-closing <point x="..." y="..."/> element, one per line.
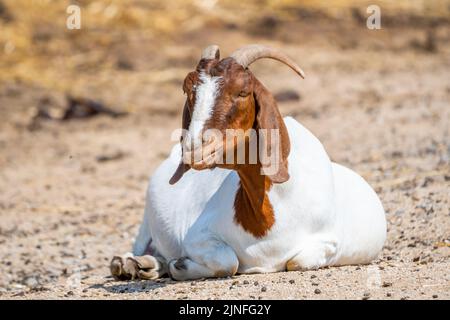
<point x="182" y="167"/>
<point x="268" y="117"/>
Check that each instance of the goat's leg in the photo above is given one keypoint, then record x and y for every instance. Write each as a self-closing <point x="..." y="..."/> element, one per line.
<point x="315" y="254"/>
<point x="216" y="261"/>
<point x="143" y="239"/>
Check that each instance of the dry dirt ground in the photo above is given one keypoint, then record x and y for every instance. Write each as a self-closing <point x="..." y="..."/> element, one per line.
<point x="72" y="192"/>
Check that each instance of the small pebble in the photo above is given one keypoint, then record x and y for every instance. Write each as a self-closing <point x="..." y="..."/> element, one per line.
<point x="386" y="284"/>
<point x="256" y="283"/>
<point x="291" y="281"/>
<point x="263" y="289"/>
<point x="317" y="291"/>
<point x="388" y="294"/>
<point x="245" y="282"/>
<point x="435" y="296"/>
<point x="313" y="276"/>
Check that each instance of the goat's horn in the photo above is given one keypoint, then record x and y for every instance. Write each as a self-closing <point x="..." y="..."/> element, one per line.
<point x="211" y="52"/>
<point x="248" y="54"/>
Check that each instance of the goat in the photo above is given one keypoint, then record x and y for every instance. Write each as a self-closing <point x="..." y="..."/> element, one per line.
<point x="200" y="223"/>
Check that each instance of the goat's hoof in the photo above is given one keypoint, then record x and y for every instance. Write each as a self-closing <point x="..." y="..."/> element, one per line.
<point x="128" y="267"/>
<point x="146" y="267"/>
<point x="117" y="269"/>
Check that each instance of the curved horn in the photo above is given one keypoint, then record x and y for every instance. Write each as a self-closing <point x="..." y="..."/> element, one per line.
<point x="211" y="52"/>
<point x="248" y="54"/>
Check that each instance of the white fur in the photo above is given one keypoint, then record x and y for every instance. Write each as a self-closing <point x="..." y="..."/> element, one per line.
<point x="325" y="214"/>
<point x="205" y="97"/>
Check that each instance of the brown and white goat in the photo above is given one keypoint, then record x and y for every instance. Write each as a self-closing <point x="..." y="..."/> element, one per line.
<point x="216" y="218"/>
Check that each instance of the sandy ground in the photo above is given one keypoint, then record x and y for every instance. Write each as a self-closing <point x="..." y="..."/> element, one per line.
<point x="72" y="193"/>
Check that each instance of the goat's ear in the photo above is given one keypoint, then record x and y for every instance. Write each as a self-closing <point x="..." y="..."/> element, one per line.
<point x="182" y="167"/>
<point x="268" y="117"/>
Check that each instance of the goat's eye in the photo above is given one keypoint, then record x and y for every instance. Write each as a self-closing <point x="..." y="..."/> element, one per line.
<point x="243" y="94"/>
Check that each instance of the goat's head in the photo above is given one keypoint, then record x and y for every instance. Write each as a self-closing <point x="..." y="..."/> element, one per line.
<point x="223" y="95"/>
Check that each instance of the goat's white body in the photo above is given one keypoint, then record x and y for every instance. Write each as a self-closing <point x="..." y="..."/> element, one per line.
<point x="325" y="214"/>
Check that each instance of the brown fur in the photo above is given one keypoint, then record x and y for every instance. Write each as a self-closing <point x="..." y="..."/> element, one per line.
<point x="253" y="210"/>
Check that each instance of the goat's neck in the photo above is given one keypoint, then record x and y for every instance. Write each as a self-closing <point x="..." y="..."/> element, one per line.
<point x="253" y="209"/>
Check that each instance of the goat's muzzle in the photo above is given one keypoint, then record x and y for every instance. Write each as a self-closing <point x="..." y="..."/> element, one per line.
<point x="204" y="157"/>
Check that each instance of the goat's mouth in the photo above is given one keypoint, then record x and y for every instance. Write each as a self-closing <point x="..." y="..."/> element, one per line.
<point x="204" y="157"/>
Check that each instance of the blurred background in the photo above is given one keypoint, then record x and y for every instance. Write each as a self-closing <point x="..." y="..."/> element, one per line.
<point x="86" y="116"/>
<point x="124" y="47"/>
